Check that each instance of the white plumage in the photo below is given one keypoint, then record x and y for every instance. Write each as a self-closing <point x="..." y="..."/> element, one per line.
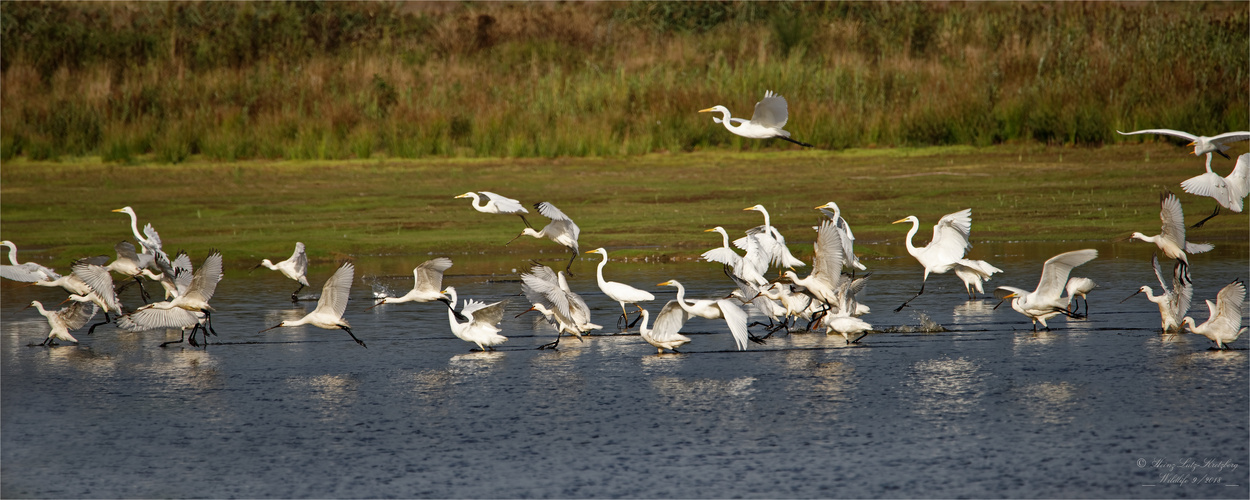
<point x="497" y="204"/>
<point x="664" y="334"/>
<point x="620" y="292"/>
<point x="1047" y="299"/>
<point x="725" y="309"/>
<point x="561" y="230"/>
<point x="1174" y="301"/>
<point x="1223" y="325"/>
<point x="481" y="327"/>
<point x="331" y="305"/>
<point x="1171" y="238"/>
<point x="294" y="267"/>
<point x="770" y="115"/>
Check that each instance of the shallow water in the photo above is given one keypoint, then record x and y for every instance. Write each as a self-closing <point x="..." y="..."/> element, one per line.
<point x="1102" y="407"/>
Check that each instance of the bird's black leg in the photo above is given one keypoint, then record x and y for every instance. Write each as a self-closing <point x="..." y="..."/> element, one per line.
<point x="142" y="293"/>
<point x="294" y="296"/>
<point x="856" y="341"/>
<point x="900" y="308"/>
<point x="1225" y="155"/>
<point x="106" y="321"/>
<point x="569" y="268"/>
<point x="784" y="138"/>
<point x="191" y="337"/>
<point x="1204" y="221"/>
<point x="527" y="223"/>
<point x="817" y="317"/>
<point x="552" y="345"/>
<point x="622" y="321"/>
<point x="349" y="332"/>
<point x="181" y="336"/>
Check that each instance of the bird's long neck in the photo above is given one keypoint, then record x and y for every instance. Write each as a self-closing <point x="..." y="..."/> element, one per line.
<point x="477" y="202"/>
<point x="724" y="238"/>
<point x="725" y="119"/>
<point x="134" y="226"/>
<point x="642" y="327"/>
<point x="915" y="227"/>
<point x="1209" y="155"/>
<point x="599" y="272"/>
<point x="681" y="297"/>
<point x="767" y="225"/>
<point x="12" y="253"/>
<point x="39" y="307"/>
<point x="269" y="265"/>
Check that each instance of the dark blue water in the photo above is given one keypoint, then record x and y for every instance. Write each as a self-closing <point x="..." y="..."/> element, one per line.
<point x="1102" y="407"/>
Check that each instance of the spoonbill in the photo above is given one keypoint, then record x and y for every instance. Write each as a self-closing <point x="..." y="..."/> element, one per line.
<point x="498" y="204"/>
<point x="1173" y="302"/>
<point x="98" y="279"/>
<point x="561" y="230"/>
<point x="482" y="325"/>
<point x="1171" y="238"/>
<point x="974" y="275"/>
<point x="186" y="309"/>
<point x="749" y="267"/>
<point x="549" y="294"/>
<point x="294" y="267"/>
<point x="1223" y="325"/>
<point x="1047" y="299"/>
<point x="427" y="282"/>
<point x="1079" y="287"/>
<point x="620" y="292"/>
<point x="1227" y="192"/>
<point x="947" y="248"/>
<point x="331" y="305"/>
<point x="770" y="115"/>
<point x="71" y="317"/>
<point x="663" y="335"/>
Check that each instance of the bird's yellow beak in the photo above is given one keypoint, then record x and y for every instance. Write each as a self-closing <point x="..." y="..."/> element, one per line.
<point x="708" y="110"/>
<point x="709" y="230"/>
<point x="117" y="210"/>
<point x="666" y="283"/>
<point x="466" y="195"/>
<point x="900" y="220"/>
<point x="591" y="251"/>
<point x="820" y="207"/>
<point x="1011" y="296"/>
<point x="748" y="208"/>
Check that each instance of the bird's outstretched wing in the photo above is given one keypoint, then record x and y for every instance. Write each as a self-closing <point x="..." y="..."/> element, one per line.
<point x="1173" y="219"/>
<point x="76" y="314"/>
<point x="771" y="111"/>
<point x="551" y="212"/>
<point x="736" y="318"/>
<point x="670" y="320"/>
<point x="1228" y="137"/>
<point x="1056" y="269"/>
<point x="204" y="280"/>
<point x="488" y="314"/>
<point x="336" y="290"/>
<point x="1238" y="182"/>
<point x="155" y="316"/>
<point x="429" y="275"/>
<point x="828" y="261"/>
<point x="126" y="250"/>
<point x="101" y="283"/>
<point x="1163" y="131"/>
<point x="300" y="258"/>
<point x="541" y="286"/>
<point x="505" y="204"/>
<point x="1229" y="304"/>
<point x="952" y="231"/>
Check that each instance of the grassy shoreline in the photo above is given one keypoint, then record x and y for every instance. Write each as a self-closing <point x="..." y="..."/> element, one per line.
<point x="657" y="205"/>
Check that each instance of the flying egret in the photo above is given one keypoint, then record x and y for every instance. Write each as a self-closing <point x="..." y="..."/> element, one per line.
<point x="620" y="292"/>
<point x="947" y="248"/>
<point x="1047" y="299"/>
<point x="750" y="293"/>
<point x="725" y="309"/>
<point x="1228" y="192"/>
<point x="750" y="267"/>
<point x="482" y="325"/>
<point x="497" y="204"/>
<point x="1223" y="325"/>
<point x="71" y="317"/>
<point x="663" y="335"/>
<point x="149" y="239"/>
<point x="773" y="243"/>
<point x="1079" y="287"/>
<point x="175" y="276"/>
<point x="826" y="276"/>
<point x="973" y="273"/>
<point x="770" y="115"/>
<point x="331" y="305"/>
<point x="28" y="272"/>
<point x="129" y="265"/>
<point x="102" y="293"/>
<point x="832" y="212"/>
<point x="427" y="283"/>
<point x="185" y="310"/>
<point x="549" y="294"/>
<point x="561" y="230"/>
<point x="1171" y="238"/>
<point x="1173" y="302"/>
<point x="295" y="267"/>
<point x="1202" y="145"/>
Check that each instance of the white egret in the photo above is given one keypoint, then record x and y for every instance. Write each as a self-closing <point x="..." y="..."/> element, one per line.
<point x="28" y="272"/>
<point x="427" y="284"/>
<point x="331" y="305"/>
<point x="826" y="277"/>
<point x="945" y="250"/>
<point x="620" y="292"/>
<point x="770" y="115"/>
<point x="549" y="294"/>
<point x="294" y="267"/>
<point x="725" y="309"/>
<point x="773" y="243"/>
<point x="1079" y="287"/>
<point x="847" y="326"/>
<point x="1228" y="192"/>
<point x="1223" y="325"/>
<point x="832" y="212"/>
<point x="175" y="276"/>
<point x="149" y="239"/>
<point x="561" y="230"/>
<point x="184" y="310"/>
<point x="1171" y="238"/>
<point x="1202" y="145"/>
<point x="102" y="293"/>
<point x="497" y="204"/>
<point x="71" y="317"/>
<point x="663" y="335"/>
<point x="1173" y="302"/>
<point x="130" y="265"/>
<point x="1047" y="299"/>
<point x="973" y="273"/>
<point x="796" y="304"/>
<point x="482" y="325"/>
<point x="750" y="267"/>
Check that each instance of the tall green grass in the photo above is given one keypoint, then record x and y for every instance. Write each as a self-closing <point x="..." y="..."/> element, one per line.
<point x="169" y="81"/>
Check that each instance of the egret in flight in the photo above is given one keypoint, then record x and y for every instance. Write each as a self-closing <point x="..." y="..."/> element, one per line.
<point x="497" y="204"/>
<point x="1047" y="299"/>
<point x="1228" y="192"/>
<point x="187" y="309"/>
<point x="561" y="230"/>
<point x="28" y="272"/>
<point x="749" y="267"/>
<point x="294" y="267"/>
<point x="1223" y="326"/>
<point x="71" y="317"/>
<point x="549" y="294"/>
<point x="1173" y="301"/>
<point x="725" y="309"/>
<point x="663" y="335"/>
<point x="482" y="325"/>
<point x="620" y="292"/>
<point x="1202" y="144"/>
<point x="331" y="305"/>
<point x="945" y="250"/>
<point x="149" y="239"/>
<point x="770" y="115"/>
<point x="771" y="240"/>
<point x="832" y="212"/>
<point x="427" y="282"/>
<point x="1171" y="238"/>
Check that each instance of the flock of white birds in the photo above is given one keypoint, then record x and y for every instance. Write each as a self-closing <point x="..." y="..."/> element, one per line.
<point x="825" y="298"/>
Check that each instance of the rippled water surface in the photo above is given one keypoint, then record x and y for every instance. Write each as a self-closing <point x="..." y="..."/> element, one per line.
<point x="1102" y="407"/>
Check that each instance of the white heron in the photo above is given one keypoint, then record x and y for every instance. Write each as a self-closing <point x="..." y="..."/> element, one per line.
<point x="482" y="325"/>
<point x="974" y="273"/>
<point x="1171" y="238"/>
<point x="1079" y="287"/>
<point x="1227" y="192"/>
<point x="331" y="305"/>
<point x="771" y="240"/>
<point x="186" y="309"/>
<point x="832" y="212"/>
<point x="826" y="277"/>
<point x="770" y="115"/>
<point x="28" y="272"/>
<point x="663" y="335"/>
<point x="1202" y="145"/>
<point x="549" y="294"/>
<point x="498" y="204"/>
<point x="945" y="250"/>
<point x="1223" y="325"/>
<point x="294" y="267"/>
<point x="561" y="230"/>
<point x="749" y="267"/>
<point x="725" y="309"/>
<point x="102" y="293"/>
<point x="1173" y="302"/>
<point x="175" y="276"/>
<point x="71" y="317"/>
<point x="620" y="292"/>
<point x="1047" y="299"/>
<point x="129" y="264"/>
<point x="427" y="284"/>
<point x="847" y="326"/>
<point x="149" y="239"/>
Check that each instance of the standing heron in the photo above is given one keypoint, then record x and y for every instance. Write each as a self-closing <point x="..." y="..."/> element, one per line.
<point x="561" y="230"/>
<point x="770" y="115"/>
<point x="1173" y="301"/>
<point x="1171" y="238"/>
<point x="1223" y="325"/>
<point x="189" y="309"/>
<point x="663" y="335"/>
<point x="331" y="305"/>
<point x="725" y="309"/>
<point x="620" y="292"/>
<point x="482" y="325"/>
<point x="71" y="317"/>
<point x="1047" y="299"/>
<point x="945" y="250"/>
<point x="497" y="204"/>
<point x="294" y="267"/>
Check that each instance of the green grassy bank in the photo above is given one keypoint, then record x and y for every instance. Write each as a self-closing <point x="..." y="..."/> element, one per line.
<point x="657" y="205"/>
<point x="175" y="81"/>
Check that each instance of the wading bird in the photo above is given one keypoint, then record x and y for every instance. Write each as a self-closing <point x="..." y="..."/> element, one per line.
<point x="1223" y="326"/>
<point x="129" y="265"/>
<point x="331" y="305"/>
<point x="561" y="230"/>
<point x="102" y="293"/>
<point x="1171" y="238"/>
<point x="1228" y="192"/>
<point x="1173" y="301"/>
<point x="427" y="283"/>
<point x="71" y="317"/>
<point x="549" y="294"/>
<point x="826" y="277"/>
<point x="770" y="115"/>
<point x="831" y="212"/>
<point x="482" y="325"/>
<point x="947" y="248"/>
<point x="189" y="309"/>
<point x="28" y="272"/>
<point x="663" y="335"/>
<point x="620" y="292"/>
<point x="1047" y="299"/>
<point x="1079" y="287"/>
<point x="771" y="240"/>
<point x="1202" y="145"/>
<point x="749" y="267"/>
<point x="497" y="204"/>
<point x="295" y="267"/>
<point x="974" y="275"/>
<point x="847" y="326"/>
<point x="725" y="309"/>
<point x="149" y="239"/>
